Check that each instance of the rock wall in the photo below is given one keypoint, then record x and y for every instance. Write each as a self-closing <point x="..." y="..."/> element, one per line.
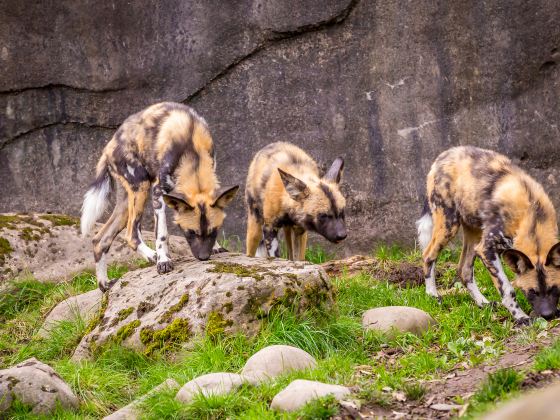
<point x="387" y="84"/>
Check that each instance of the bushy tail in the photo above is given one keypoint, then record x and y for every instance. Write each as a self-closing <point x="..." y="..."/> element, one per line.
<point x="96" y="197"/>
<point x="425" y="226"/>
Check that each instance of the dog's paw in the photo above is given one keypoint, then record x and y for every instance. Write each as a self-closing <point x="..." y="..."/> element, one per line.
<point x="164" y="267"/>
<point x="104" y="286"/>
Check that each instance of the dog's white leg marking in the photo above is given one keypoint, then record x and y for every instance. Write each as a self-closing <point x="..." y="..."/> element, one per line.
<point x="508" y="292"/>
<point x="431" y="288"/>
<point x="162" y="237"/>
<point x="273" y="248"/>
<point x="261" y="250"/>
<point x="145" y="250"/>
<point x="475" y="292"/>
<point x="101" y="272"/>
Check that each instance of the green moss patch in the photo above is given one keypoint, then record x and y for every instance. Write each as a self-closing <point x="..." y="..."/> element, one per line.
<point x="29" y="234"/>
<point x="15" y="220"/>
<point x="5" y="250"/>
<point x="239" y="270"/>
<point x="99" y="316"/>
<point x="166" y="317"/>
<point x="166" y="339"/>
<point x="126" y="331"/>
<point x="122" y="315"/>
<point x="216" y="324"/>
<point x="60" y="219"/>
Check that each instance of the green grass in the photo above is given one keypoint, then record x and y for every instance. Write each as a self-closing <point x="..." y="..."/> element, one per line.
<point x="548" y="358"/>
<point x="317" y="254"/>
<point x="464" y="335"/>
<point x="498" y="386"/>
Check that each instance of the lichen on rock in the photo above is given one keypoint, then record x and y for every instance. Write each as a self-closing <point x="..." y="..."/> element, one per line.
<point x="213" y="297"/>
<point x="167" y="338"/>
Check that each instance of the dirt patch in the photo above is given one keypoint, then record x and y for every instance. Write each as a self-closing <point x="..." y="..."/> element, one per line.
<point x="399" y="272"/>
<point x="461" y="383"/>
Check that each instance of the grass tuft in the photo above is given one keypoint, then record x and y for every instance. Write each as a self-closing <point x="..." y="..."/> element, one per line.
<point x="498" y="385"/>
<point x="548" y="358"/>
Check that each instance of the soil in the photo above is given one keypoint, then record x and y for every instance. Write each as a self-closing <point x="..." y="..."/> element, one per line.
<point x="461" y="384"/>
<point x="401" y="273"/>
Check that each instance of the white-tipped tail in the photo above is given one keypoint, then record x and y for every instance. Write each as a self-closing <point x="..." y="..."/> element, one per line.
<point x="424" y="226"/>
<point x="95" y="203"/>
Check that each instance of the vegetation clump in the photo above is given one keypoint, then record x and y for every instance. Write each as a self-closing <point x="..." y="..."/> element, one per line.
<point x="60" y="219"/>
<point x="239" y="270"/>
<point x="548" y="358"/>
<point x="216" y="324"/>
<point x="166" y="317"/>
<point x="122" y="315"/>
<point x="5" y="250"/>
<point x="497" y="385"/>
<point x="96" y="320"/>
<point x="11" y="221"/>
<point x="126" y="331"/>
<point x="29" y="234"/>
<point x="166" y="339"/>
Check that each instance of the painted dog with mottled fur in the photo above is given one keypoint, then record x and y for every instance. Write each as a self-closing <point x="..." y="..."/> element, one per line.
<point x="166" y="148"/>
<point x="284" y="190"/>
<point x="503" y="211"/>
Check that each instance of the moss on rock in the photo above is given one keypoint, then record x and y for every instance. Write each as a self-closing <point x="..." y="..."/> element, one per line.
<point x="121" y="316"/>
<point x="167" y="338"/>
<point x="216" y="324"/>
<point x="60" y="219"/>
<point x="5" y="250"/>
<point x="126" y="331"/>
<point x="99" y="316"/>
<point x="166" y="317"/>
<point x="239" y="270"/>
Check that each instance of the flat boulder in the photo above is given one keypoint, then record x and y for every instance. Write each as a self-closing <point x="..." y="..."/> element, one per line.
<point x="84" y="307"/>
<point x="392" y="319"/>
<point x="274" y="361"/>
<point x="50" y="247"/>
<point x="542" y="404"/>
<point x="301" y="391"/>
<point x="227" y="294"/>
<point x="37" y="385"/>
<point x="211" y="384"/>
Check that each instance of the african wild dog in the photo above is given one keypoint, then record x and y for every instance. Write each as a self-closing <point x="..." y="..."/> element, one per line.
<point x="166" y="147"/>
<point x="502" y="210"/>
<point x="284" y="190"/>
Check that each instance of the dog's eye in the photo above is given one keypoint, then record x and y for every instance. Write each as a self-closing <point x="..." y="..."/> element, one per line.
<point x="323" y="217"/>
<point x="532" y="294"/>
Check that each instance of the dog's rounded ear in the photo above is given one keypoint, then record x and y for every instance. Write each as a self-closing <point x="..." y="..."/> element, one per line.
<point x="553" y="257"/>
<point x="177" y="202"/>
<point x="517" y="261"/>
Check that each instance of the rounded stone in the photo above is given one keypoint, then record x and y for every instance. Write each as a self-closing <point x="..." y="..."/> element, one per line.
<point x="392" y="319"/>
<point x="37" y="385"/>
<point x="84" y="307"/>
<point x="273" y="361"/>
<point x="301" y="391"/>
<point x="210" y="384"/>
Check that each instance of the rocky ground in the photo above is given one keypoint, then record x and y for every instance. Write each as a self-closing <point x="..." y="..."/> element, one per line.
<point x="246" y="338"/>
